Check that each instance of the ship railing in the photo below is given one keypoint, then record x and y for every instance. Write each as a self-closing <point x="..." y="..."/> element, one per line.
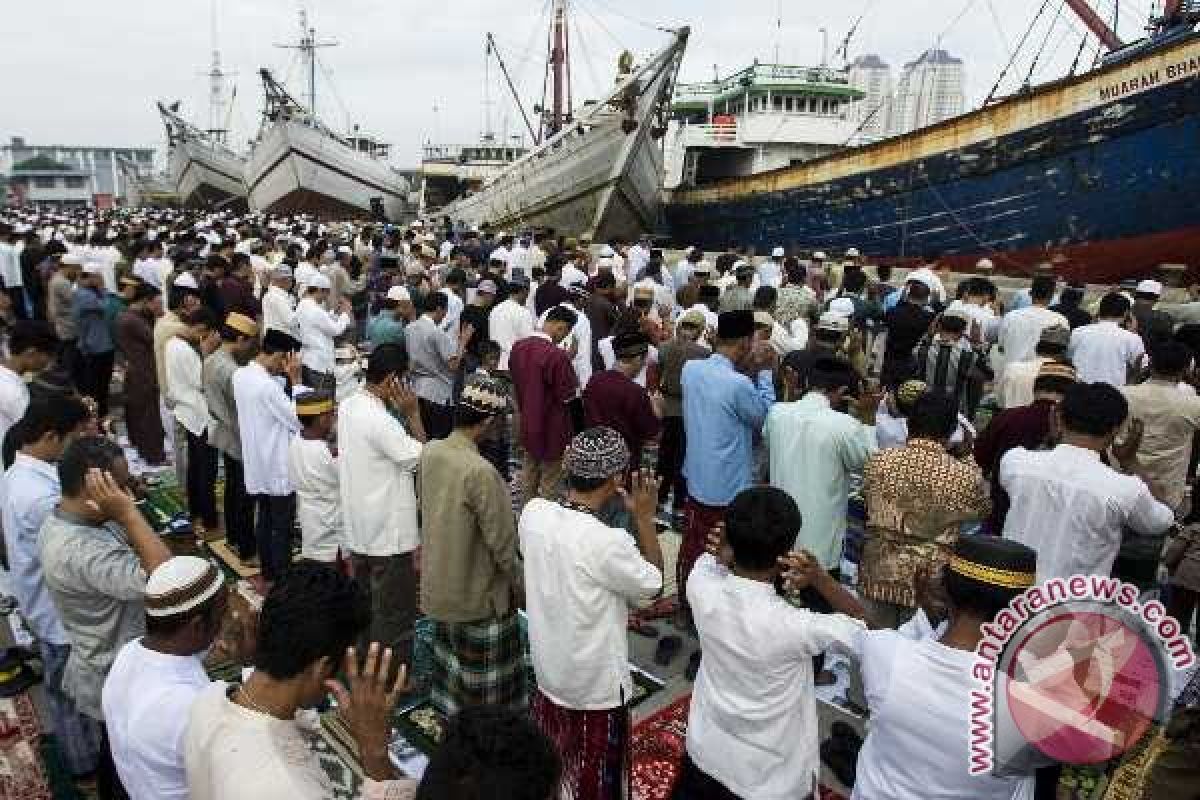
<point x="711" y="134"/>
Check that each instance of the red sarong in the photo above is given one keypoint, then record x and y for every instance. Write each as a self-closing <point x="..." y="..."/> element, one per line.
<point x="699" y="520"/>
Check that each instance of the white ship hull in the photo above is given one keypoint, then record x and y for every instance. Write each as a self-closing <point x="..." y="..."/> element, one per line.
<point x="205" y="176"/>
<point x="297" y="169"/>
<point x="601" y="183"/>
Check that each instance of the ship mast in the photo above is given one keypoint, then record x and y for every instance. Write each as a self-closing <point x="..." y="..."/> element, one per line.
<point x="1095" y="24"/>
<point x="560" y="71"/>
<point x="217" y="127"/>
<point x="308" y="46"/>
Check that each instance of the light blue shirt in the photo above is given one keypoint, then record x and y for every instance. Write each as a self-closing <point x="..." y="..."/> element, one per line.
<point x="721" y="410"/>
<point x="813" y="452"/>
<point x="30" y="492"/>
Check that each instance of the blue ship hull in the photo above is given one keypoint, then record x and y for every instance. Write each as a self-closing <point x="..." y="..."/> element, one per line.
<point x="1105" y="193"/>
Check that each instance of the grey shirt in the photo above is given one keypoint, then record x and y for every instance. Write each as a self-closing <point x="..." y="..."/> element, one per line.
<point x="60" y="293"/>
<point x="98" y="585"/>
<point x="430" y="350"/>
<point x="223" y="432"/>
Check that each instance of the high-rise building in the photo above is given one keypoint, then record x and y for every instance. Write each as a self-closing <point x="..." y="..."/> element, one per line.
<point x="930" y="90"/>
<point x="872" y="114"/>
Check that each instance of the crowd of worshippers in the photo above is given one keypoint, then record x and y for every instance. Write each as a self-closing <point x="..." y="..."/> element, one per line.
<point x="372" y="386"/>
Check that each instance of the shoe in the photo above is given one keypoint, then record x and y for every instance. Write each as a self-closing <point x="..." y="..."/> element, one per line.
<point x="836" y="754"/>
<point x="824" y="678"/>
<point x="668" y="648"/>
<point x="693" y="667"/>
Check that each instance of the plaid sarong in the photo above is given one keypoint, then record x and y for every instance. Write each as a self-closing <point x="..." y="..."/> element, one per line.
<point x="478" y="664"/>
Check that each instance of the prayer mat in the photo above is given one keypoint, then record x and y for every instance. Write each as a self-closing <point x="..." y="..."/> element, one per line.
<point x="22" y="771"/>
<point x="229" y="559"/>
<point x="422" y="725"/>
<point x="657" y="750"/>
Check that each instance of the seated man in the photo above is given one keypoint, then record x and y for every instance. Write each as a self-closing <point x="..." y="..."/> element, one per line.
<point x="155" y="679"/>
<point x="244" y="741"/>
<point x="754" y="690"/>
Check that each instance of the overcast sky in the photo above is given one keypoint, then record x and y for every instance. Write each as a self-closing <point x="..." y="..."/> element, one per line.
<point x="85" y="72"/>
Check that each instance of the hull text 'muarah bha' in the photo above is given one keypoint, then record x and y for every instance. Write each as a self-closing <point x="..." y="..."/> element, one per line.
<point x="1095" y="172"/>
<point x="600" y="176"/>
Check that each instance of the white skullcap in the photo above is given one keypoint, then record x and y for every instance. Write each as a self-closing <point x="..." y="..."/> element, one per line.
<point x="319" y="281"/>
<point x="607" y="252"/>
<point x="923" y="275"/>
<point x="181" y="584"/>
<point x="71" y="258"/>
<point x="819" y="255"/>
<point x="833" y="321"/>
<point x="186" y="280"/>
<point x="343" y="249"/>
<point x="399" y="294"/>
<point x="1149" y="287"/>
<point x="93" y="268"/>
<point x="853" y="253"/>
<point x="843" y="306"/>
<point x="984" y="264"/>
<point x="778" y="252"/>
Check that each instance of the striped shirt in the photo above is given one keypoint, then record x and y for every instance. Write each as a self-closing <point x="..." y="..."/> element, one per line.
<point x="946" y="367"/>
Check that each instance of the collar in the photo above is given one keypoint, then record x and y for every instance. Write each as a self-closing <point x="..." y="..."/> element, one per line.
<point x="814" y="399"/>
<point x="722" y="359"/>
<point x="188" y="666"/>
<point x="541" y="335"/>
<point x="1082" y="452"/>
<point x="43" y="468"/>
<point x="462" y="442"/>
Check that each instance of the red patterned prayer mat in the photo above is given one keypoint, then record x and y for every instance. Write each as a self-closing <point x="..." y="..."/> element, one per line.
<point x="659" y="742"/>
<point x="22" y="776"/>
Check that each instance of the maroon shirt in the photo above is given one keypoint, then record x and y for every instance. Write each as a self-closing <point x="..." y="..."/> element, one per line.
<point x="1024" y="426"/>
<point x="614" y="400"/>
<point x="545" y="382"/>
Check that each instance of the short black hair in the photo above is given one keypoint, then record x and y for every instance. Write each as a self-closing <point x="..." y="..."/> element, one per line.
<point x="562" y="314"/>
<point x="952" y="323"/>
<point x="765" y="297"/>
<point x="604" y="280"/>
<point x="494" y="754"/>
<point x="312" y="612"/>
<point x="581" y="484"/>
<point x="200" y="316"/>
<point x="1112" y="305"/>
<point x="977" y="598"/>
<point x="435" y="301"/>
<point x="384" y="361"/>
<point x="28" y="334"/>
<point x="1170" y="358"/>
<point x="1050" y="349"/>
<point x="854" y="280"/>
<point x="917" y="291"/>
<point x="934" y="416"/>
<point x="1042" y="287"/>
<point x="87" y="452"/>
<point x="828" y="374"/>
<point x="1093" y="409"/>
<point x="55" y="413"/>
<point x="456" y="277"/>
<point x="761" y="525"/>
<point x="489" y="349"/>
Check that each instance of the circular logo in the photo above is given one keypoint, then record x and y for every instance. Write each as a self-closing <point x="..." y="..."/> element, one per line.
<point x="1084" y="682"/>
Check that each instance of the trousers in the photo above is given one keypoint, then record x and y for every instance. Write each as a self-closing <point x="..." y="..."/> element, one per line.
<point x="239" y="510"/>
<point x="275" y="517"/>
<point x="201" y="480"/>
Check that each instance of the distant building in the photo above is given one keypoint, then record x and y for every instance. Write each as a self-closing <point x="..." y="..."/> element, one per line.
<point x="99" y="165"/>
<point x="43" y="181"/>
<point x="873" y="77"/>
<point x="930" y="90"/>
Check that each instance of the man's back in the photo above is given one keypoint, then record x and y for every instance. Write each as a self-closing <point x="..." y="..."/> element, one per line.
<point x="1071" y="509"/>
<point x="1170" y="417"/>
<point x="545" y="382"/>
<point x="1021" y="329"/>
<point x="1104" y="352"/>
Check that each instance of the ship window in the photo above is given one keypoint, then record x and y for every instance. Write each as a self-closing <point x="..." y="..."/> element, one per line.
<point x="43" y="182"/>
<point x="73" y="182"/>
<point x="778" y="103"/>
<point x="787" y="103"/>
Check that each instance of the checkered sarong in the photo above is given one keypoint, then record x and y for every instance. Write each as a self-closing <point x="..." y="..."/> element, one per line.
<point x="478" y="664"/>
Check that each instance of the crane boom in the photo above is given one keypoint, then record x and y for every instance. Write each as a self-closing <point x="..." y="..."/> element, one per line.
<point x="1095" y="24"/>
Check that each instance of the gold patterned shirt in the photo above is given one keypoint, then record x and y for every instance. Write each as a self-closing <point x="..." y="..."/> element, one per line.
<point x="917" y="498"/>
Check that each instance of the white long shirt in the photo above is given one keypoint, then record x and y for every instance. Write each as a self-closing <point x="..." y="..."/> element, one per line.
<point x="1021" y="329"/>
<point x="753" y="720"/>
<point x="919" y="693"/>
<point x="313" y="471"/>
<point x="1071" y="508"/>
<point x="581" y="576"/>
<point x="279" y="311"/>
<point x="10" y="265"/>
<point x="508" y="323"/>
<point x="185" y="385"/>
<point x="318" y="328"/>
<point x="267" y="421"/>
<point x="14" y="399"/>
<point x="377" y="463"/>
<point x="147" y="697"/>
<point x="1104" y="351"/>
